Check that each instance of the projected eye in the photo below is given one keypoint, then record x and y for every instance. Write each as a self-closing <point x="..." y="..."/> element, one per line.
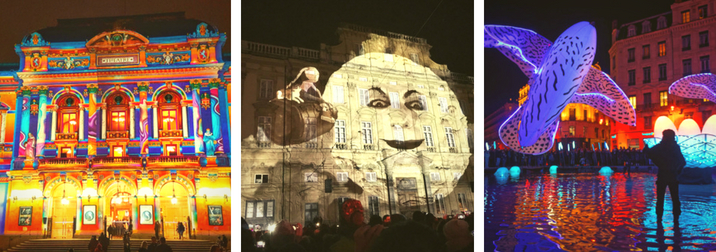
<point x="378" y="103"/>
<point x="414" y="105"/>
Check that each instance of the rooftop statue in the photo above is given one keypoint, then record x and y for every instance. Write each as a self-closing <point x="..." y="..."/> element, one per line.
<point x="559" y="73"/>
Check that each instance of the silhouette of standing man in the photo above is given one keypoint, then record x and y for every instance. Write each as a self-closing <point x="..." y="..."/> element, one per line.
<point x="667" y="156"/>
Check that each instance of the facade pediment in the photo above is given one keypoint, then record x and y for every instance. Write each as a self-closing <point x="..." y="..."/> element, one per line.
<point x="117" y="38"/>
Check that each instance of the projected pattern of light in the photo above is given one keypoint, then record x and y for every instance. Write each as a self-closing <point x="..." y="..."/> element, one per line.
<point x="560" y="73"/>
<point x="699" y="148"/>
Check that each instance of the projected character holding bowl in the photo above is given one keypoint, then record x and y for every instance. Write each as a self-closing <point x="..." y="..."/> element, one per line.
<point x="559" y="73"/>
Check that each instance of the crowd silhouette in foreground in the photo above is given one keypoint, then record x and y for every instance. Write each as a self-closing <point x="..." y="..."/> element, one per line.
<point x="574" y="157"/>
<point x="101" y="244"/>
<point x="394" y="233"/>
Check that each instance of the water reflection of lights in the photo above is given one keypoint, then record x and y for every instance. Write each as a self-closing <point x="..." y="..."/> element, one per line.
<point x="583" y="212"/>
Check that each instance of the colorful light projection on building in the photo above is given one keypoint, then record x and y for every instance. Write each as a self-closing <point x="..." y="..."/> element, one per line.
<point x="698" y="147"/>
<point x="560" y="73"/>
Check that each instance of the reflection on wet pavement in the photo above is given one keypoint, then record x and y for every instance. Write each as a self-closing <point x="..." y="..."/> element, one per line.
<point x="592" y="212"/>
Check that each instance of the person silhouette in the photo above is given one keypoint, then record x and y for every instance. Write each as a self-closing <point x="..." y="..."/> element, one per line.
<point x="667" y="156"/>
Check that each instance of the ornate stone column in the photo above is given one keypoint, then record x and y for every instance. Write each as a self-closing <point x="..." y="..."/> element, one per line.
<point x="425" y="167"/>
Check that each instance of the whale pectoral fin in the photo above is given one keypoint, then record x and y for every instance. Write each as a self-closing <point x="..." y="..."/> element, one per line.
<point x="602" y="93"/>
<point x="509" y="135"/>
<point x="524" y="47"/>
<point x="697" y="86"/>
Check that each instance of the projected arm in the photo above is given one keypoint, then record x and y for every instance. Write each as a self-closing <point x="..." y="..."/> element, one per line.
<point x="600" y="91"/>
<point x="524" y="47"/>
<point x="697" y="86"/>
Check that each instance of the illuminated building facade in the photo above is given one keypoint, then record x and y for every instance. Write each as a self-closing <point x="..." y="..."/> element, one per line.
<point x="119" y="120"/>
<point x="650" y="54"/>
<point x="424" y="164"/>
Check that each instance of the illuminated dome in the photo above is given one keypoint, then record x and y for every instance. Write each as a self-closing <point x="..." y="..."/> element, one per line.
<point x="663" y="123"/>
<point x="688" y="127"/>
<point x="699" y="148"/>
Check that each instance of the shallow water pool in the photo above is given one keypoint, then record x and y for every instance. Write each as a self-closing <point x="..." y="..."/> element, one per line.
<point x="593" y="212"/>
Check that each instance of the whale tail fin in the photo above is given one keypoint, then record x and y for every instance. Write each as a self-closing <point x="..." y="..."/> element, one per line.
<point x="602" y="93"/>
<point x="697" y="86"/>
<point x="509" y="135"/>
<point x="524" y="47"/>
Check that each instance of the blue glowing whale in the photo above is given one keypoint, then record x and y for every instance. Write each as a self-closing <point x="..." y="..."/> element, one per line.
<point x="559" y="73"/>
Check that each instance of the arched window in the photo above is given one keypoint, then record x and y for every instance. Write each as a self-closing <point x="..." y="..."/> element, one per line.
<point x="117" y="112"/>
<point x="169" y="104"/>
<point x="645" y="27"/>
<point x="631" y="31"/>
<point x="661" y="23"/>
<point x="68" y="119"/>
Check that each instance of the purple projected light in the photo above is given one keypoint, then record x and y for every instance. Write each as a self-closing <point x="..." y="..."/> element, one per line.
<point x="559" y="73"/>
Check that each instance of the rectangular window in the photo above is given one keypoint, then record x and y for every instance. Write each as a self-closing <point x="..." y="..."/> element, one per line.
<point x="261" y="179"/>
<point x="440" y="203"/>
<point x="118" y="151"/>
<point x="338" y="94"/>
<point x="69" y="123"/>
<point x="311" y="213"/>
<point x="647" y="122"/>
<point x="423" y="102"/>
<point x="264" y="129"/>
<point x="443" y="104"/>
<point x="645" y="52"/>
<point x="687" y="66"/>
<point x="663" y="98"/>
<point x="373" y="205"/>
<point x="462" y="200"/>
<point x="311" y="177"/>
<point x="169" y="119"/>
<point x="632" y="77"/>
<point x="250" y="209"/>
<point x="647" y="100"/>
<point x="685" y="16"/>
<point x="704" y="39"/>
<point x="614" y="62"/>
<point x="662" y="48"/>
<point x="662" y="72"/>
<point x="394" y="100"/>
<point x="363" y="97"/>
<point x="371" y="177"/>
<point x="259" y="209"/>
<point x="705" y="64"/>
<point x="311" y="129"/>
<point x="584" y="131"/>
<point x="632" y="100"/>
<point x="686" y="43"/>
<point x="269" y="208"/>
<point x="341" y="177"/>
<point x="434" y="176"/>
<point x="428" y="133"/>
<point x="572" y="130"/>
<point x="266" y="89"/>
<point x="414" y="57"/>
<point x="647" y="74"/>
<point x="450" y="137"/>
<point x="470" y="139"/>
<point x="703" y="13"/>
<point x="340" y="131"/>
<point x="632" y="54"/>
<point x="367" y="132"/>
<point x="118" y="120"/>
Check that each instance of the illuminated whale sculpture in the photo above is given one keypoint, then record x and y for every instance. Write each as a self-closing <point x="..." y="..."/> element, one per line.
<point x="696" y="86"/>
<point x="559" y="73"/>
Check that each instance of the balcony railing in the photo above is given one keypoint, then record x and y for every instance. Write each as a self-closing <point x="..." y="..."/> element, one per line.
<point x="172" y="159"/>
<point x="66" y="136"/>
<point x="264" y="144"/>
<point x="341" y="146"/>
<point x="368" y="147"/>
<point x="117" y="160"/>
<point x="63" y="161"/>
<point x="280" y="51"/>
<point x="312" y="145"/>
<point x="117" y="134"/>
<point x="170" y="133"/>
<point x="431" y="149"/>
<point x="453" y="150"/>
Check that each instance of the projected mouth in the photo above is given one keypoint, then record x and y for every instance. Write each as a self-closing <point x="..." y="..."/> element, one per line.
<point x="404" y="145"/>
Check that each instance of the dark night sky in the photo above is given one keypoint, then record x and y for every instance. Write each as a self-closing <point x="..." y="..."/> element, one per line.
<point x="503" y="78"/>
<point x="20" y="18"/>
<point x="309" y="23"/>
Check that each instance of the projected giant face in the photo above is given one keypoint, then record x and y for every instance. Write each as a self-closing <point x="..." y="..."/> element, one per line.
<point x="559" y="73"/>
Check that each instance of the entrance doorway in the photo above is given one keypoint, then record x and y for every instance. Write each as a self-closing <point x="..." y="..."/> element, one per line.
<point x="408" y="201"/>
<point x="174" y="206"/>
<point x="64" y="211"/>
<point x="119" y="207"/>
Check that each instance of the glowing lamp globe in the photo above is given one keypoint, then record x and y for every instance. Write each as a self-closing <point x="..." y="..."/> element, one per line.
<point x="606" y="170"/>
<point x="663" y="123"/>
<point x="501" y="172"/>
<point x="174" y="200"/>
<point x="689" y="127"/>
<point x="553" y="169"/>
<point x="515" y="171"/>
<point x="65" y="201"/>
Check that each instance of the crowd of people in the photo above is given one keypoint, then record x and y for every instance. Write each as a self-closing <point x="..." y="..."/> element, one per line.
<point x="421" y="232"/>
<point x="574" y="157"/>
<point x="101" y="244"/>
